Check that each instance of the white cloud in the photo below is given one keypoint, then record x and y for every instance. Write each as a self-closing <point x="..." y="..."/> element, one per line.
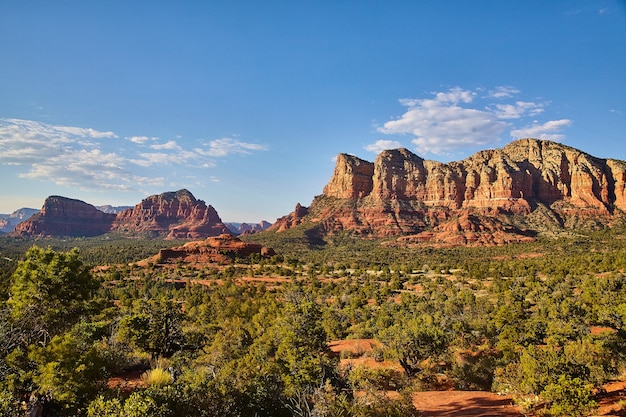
<point x="87" y="170"/>
<point x="517" y="110"/>
<point x="169" y="145"/>
<point x="503" y="91"/>
<point x="140" y="139"/>
<point x="87" y="159"/>
<point x="24" y="142"/>
<point x="458" y="118"/>
<point x="382" y="145"/>
<point x="84" y="132"/>
<point x="181" y="157"/>
<point x="442" y="124"/>
<point x="69" y="156"/>
<point x="227" y="146"/>
<point x="549" y="130"/>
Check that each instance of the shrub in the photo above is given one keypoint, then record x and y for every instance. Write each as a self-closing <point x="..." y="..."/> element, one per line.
<point x="156" y="377"/>
<point x="569" y="397"/>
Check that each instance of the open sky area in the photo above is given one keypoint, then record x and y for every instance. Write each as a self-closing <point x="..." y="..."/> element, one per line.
<point x="247" y="103"/>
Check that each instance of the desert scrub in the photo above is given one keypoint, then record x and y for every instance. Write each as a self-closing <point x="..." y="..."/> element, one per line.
<point x="156" y="377"/>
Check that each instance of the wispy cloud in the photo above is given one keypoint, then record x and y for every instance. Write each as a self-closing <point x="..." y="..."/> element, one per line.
<point x="140" y="139"/>
<point x="381" y="145"/>
<point x="443" y="124"/>
<point x="517" y="110"/>
<point x="169" y="145"/>
<point x="458" y="119"/>
<point x="227" y="146"/>
<point x="549" y="130"/>
<point x="503" y="91"/>
<point x="85" y="158"/>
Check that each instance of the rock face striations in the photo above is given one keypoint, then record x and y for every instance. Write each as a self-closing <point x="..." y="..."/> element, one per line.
<point x="494" y="196"/>
<point x="176" y="215"/>
<point x="61" y="216"/>
<point x="223" y="249"/>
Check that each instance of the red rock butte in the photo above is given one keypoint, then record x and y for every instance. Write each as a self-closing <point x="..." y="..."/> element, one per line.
<point x="473" y="200"/>
<point x="174" y="215"/>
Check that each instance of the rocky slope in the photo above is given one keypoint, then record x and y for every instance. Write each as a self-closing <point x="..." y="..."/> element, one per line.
<point x="176" y="215"/>
<point x="221" y="249"/>
<point x="62" y="216"/>
<point x="494" y="196"/>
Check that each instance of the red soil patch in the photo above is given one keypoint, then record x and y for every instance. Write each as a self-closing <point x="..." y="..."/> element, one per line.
<point x="354" y="346"/>
<point x="529" y="255"/>
<point x="464" y="403"/>
<point x="610" y="400"/>
<point x="600" y="329"/>
<point x="266" y="280"/>
<point x="360" y="352"/>
<point x="371" y="363"/>
<point x="126" y="382"/>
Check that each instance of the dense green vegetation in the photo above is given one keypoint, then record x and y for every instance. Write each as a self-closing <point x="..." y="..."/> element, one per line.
<point x="544" y="322"/>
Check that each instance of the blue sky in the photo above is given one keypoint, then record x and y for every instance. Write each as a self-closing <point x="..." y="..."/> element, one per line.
<point x="246" y="103"/>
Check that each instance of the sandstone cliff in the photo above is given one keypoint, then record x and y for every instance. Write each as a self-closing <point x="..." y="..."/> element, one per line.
<point x="496" y="195"/>
<point x="221" y="249"/>
<point x="175" y="215"/>
<point x="61" y="216"/>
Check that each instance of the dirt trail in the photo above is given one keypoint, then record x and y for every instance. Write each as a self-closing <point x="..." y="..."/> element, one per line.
<point x="464" y="403"/>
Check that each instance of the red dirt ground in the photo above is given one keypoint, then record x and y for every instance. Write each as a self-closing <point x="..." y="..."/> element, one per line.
<point x="464" y="403"/>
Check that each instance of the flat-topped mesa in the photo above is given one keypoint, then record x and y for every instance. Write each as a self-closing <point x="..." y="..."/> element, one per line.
<point x="402" y="194"/>
<point x="173" y="214"/>
<point x="221" y="249"/>
<point x="62" y="216"/>
<point x="523" y="172"/>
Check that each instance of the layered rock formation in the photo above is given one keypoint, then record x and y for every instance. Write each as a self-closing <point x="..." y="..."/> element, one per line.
<point x="176" y="215"/>
<point x="61" y="216"/>
<point x="499" y="192"/>
<point x="222" y="249"/>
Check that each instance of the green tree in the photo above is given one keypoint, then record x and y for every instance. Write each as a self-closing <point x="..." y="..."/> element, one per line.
<point x="302" y="343"/>
<point x="155" y="327"/>
<point x="570" y="397"/>
<point x="50" y="292"/>
<point x="71" y="368"/>
<point x="414" y="340"/>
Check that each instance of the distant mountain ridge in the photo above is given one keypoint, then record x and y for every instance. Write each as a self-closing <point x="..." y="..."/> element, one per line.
<point x="494" y="196"/>
<point x="107" y="208"/>
<point x="247" y="228"/>
<point x="9" y="221"/>
<point x="175" y="214"/>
